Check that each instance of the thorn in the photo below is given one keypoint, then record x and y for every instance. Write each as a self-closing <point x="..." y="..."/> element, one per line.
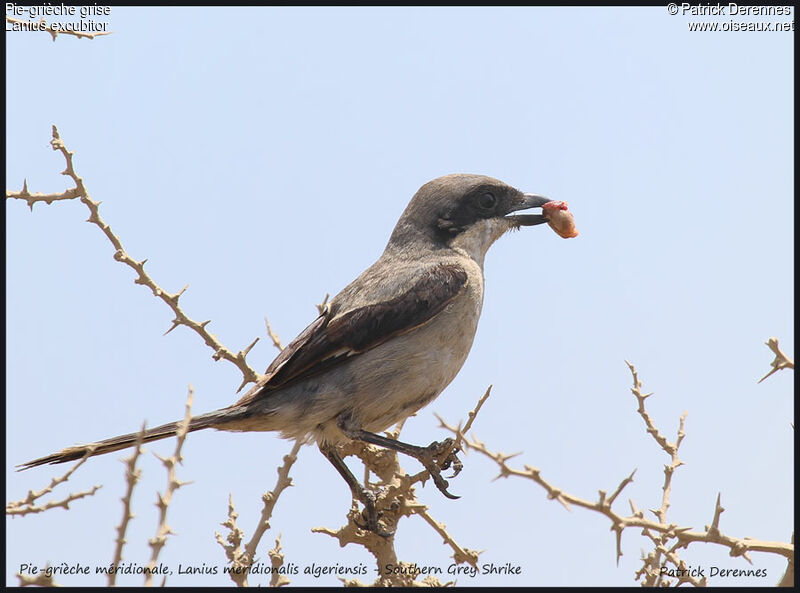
<point x="323" y="307"/>
<point x="245" y="352"/>
<point x="175" y="324"/>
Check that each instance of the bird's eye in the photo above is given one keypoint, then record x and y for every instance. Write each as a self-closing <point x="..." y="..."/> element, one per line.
<point x="487" y="201"/>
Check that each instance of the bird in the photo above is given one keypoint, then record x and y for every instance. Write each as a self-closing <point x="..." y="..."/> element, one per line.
<point x="385" y="346"/>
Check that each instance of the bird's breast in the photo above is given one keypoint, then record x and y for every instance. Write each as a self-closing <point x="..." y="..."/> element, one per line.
<point x="417" y="366"/>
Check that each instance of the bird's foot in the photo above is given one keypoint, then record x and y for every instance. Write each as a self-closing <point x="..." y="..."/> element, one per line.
<point x="451" y="460"/>
<point x="440" y="456"/>
<point x="371" y="515"/>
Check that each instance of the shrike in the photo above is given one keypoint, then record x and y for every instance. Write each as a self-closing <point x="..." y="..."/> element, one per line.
<point x="386" y="345"/>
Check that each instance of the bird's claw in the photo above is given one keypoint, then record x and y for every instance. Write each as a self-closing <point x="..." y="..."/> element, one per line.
<point x="452" y="460"/>
<point x="371" y="516"/>
<point x="434" y="467"/>
<point x="456" y="463"/>
<point x="441" y="483"/>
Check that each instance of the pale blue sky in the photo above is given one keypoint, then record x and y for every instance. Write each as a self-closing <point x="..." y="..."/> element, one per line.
<point x="264" y="155"/>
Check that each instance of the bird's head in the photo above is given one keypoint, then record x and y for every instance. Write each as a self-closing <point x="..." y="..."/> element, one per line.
<point x="467" y="212"/>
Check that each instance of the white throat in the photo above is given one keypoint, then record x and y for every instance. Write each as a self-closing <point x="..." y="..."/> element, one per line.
<point x="476" y="240"/>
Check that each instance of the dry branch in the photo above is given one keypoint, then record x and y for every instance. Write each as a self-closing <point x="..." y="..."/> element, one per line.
<point x="780" y="362"/>
<point x="396" y="498"/>
<point x="132" y="475"/>
<point x="163" y="501"/>
<point x="242" y="559"/>
<point x="27" y="506"/>
<point x="276" y="559"/>
<point x="667" y="537"/>
<point x="143" y="278"/>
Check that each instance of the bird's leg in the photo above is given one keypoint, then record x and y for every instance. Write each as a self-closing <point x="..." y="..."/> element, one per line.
<point x="366" y="497"/>
<point x="427" y="456"/>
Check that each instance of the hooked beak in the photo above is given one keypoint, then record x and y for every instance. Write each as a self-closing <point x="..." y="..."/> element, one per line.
<point x="529" y="201"/>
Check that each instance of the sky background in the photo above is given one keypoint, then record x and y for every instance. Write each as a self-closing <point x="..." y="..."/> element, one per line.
<point x="263" y="156"/>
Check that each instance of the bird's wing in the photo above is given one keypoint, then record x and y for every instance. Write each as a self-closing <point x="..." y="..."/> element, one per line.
<point x="334" y="338"/>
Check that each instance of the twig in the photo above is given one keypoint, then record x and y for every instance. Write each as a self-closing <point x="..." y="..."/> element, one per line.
<point x="460" y="555"/>
<point x="660" y="531"/>
<point x="26" y="506"/>
<point x="132" y="475"/>
<point x="242" y="559"/>
<point x="276" y="559"/>
<point x="780" y="362"/>
<point x="683" y="534"/>
<point x="160" y="539"/>
<point x="459" y="432"/>
<point x="276" y="341"/>
<point x="233" y="547"/>
<point x="670" y="448"/>
<point x="80" y="191"/>
<point x="395" y="498"/>
<point x="271" y="498"/>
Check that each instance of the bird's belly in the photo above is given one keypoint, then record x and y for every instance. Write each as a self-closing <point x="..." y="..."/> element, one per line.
<point x="412" y="376"/>
<point x="400" y="377"/>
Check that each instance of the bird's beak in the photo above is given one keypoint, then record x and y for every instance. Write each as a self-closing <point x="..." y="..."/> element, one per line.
<point x="528" y="201"/>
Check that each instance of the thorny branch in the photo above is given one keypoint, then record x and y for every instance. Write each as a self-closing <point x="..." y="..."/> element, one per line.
<point x="395" y="498"/>
<point x="780" y="362"/>
<point x="395" y="489"/>
<point x="276" y="341"/>
<point x="132" y="476"/>
<point x="242" y="559"/>
<point x="143" y="278"/>
<point x="26" y="506"/>
<point x="276" y="561"/>
<point x="160" y="539"/>
<point x="668" y="537"/>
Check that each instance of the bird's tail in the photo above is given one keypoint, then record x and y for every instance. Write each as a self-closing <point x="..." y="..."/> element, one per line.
<point x="123" y="441"/>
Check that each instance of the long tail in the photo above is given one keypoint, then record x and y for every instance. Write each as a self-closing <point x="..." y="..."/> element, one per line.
<point x="123" y="441"/>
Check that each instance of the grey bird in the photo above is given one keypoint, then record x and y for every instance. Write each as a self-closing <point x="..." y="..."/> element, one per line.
<point x="386" y="345"/>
